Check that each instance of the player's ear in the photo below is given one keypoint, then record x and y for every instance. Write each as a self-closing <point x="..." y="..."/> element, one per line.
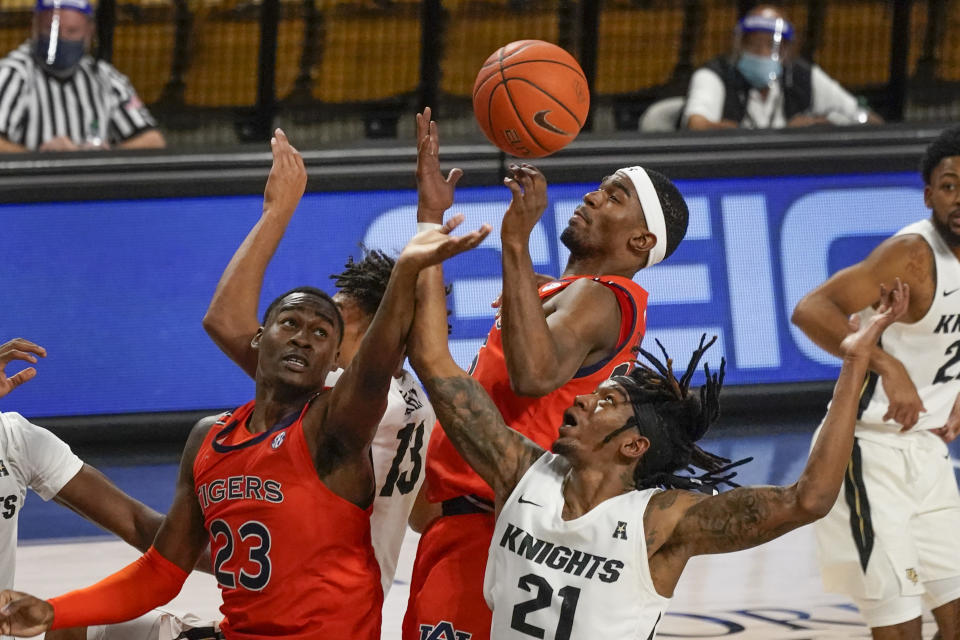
<point x="635" y="447"/>
<point x="928" y="196"/>
<point x="641" y="241"/>
<point x="255" y="341"/>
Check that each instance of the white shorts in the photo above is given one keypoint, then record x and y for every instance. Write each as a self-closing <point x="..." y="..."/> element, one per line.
<point x="159" y="624"/>
<point x="890" y="541"/>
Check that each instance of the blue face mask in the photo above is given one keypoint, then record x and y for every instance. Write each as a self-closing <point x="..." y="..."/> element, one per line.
<point x="67" y="57"/>
<point x="759" y="71"/>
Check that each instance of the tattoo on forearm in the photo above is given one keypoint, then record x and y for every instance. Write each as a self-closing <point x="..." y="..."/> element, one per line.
<point x="744" y="518"/>
<point x="474" y="425"/>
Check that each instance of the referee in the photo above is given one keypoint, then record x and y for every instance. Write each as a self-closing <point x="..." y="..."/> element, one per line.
<point x="56" y="97"/>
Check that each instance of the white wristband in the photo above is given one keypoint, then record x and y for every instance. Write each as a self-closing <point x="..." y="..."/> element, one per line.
<point x="427" y="226"/>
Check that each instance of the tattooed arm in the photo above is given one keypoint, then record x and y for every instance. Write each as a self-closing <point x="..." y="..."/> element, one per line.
<point x="694" y="525"/>
<point x="473" y="423"/>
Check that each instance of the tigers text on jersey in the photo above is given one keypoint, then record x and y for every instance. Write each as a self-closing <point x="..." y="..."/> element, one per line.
<point x="398" y="449"/>
<point x="292" y="559"/>
<point x="30" y="456"/>
<point x="570" y="579"/>
<point x="449" y="476"/>
<point x="929" y="348"/>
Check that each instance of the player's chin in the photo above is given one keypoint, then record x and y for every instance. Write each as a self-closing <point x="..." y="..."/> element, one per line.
<point x="563" y="446"/>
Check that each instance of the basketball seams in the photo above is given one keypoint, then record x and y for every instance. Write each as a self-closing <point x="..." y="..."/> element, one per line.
<point x="516" y="111"/>
<point x="549" y="95"/>
<point x="576" y="70"/>
<point x="503" y="57"/>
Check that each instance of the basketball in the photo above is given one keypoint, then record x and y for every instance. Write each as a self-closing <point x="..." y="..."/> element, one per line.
<point x="531" y="98"/>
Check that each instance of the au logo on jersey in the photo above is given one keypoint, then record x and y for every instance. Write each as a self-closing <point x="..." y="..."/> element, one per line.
<point x="443" y="630"/>
<point x="278" y="440"/>
<point x="621" y="530"/>
<point x="3" y="469"/>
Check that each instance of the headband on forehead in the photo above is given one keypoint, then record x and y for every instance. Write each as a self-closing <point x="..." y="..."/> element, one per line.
<point x="652" y="212"/>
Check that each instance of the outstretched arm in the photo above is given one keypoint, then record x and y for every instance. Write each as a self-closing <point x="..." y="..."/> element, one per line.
<point x="473" y="423"/>
<point x="499" y="454"/>
<point x="358" y="400"/>
<point x="749" y="516"/>
<point x="543" y="353"/>
<point x="231" y="319"/>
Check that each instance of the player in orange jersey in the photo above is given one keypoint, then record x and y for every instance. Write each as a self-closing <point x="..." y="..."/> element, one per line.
<point x="282" y="487"/>
<point x="548" y="345"/>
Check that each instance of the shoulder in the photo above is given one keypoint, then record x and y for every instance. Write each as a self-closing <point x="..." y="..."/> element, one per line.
<point x="907" y="255"/>
<point x="19" y="433"/>
<point x="198" y="434"/>
<point x="584" y="291"/>
<point x="19" y="61"/>
<point x="664" y="510"/>
<point x="709" y="75"/>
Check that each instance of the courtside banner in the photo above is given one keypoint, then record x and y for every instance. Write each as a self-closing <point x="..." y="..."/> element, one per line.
<point x="116" y="290"/>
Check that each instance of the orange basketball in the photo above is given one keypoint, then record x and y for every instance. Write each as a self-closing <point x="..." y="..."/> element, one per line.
<point x="531" y="98"/>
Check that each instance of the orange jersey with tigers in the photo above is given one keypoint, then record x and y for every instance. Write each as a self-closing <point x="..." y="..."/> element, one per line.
<point x="449" y="476"/>
<point x="293" y="559"/>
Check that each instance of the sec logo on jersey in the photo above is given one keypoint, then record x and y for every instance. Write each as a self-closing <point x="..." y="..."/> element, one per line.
<point x="278" y="440"/>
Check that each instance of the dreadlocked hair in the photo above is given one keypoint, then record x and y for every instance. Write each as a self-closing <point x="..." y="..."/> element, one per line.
<point x="365" y="281"/>
<point x="673" y="420"/>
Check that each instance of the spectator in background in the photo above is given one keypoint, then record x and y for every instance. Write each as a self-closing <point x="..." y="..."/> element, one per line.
<point x="56" y="97"/>
<point x="761" y="86"/>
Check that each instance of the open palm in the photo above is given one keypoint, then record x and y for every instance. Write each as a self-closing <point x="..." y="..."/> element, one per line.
<point x="436" y="245"/>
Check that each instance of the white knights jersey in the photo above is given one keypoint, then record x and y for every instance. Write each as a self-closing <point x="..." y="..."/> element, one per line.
<point x="929" y="348"/>
<point x="570" y="580"/>
<point x="399" y="450"/>
<point x="30" y="456"/>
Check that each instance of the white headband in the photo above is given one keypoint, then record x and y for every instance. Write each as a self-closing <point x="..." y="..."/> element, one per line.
<point x="652" y="211"/>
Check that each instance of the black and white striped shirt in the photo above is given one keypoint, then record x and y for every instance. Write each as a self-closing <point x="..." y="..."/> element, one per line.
<point x="97" y="101"/>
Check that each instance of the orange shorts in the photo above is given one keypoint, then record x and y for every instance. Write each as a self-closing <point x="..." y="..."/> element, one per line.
<point x="446" y="589"/>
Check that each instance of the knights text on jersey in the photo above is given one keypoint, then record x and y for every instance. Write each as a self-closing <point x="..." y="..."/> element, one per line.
<point x="449" y="476"/>
<point x="292" y="559"/>
<point x="928" y="348"/>
<point x="30" y="456"/>
<point x="572" y="579"/>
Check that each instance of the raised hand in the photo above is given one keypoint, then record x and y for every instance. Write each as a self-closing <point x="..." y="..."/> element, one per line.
<point x="288" y="176"/>
<point x="529" y="190"/>
<point x="862" y="339"/>
<point x="22" y="615"/>
<point x="436" y="245"/>
<point x="18" y="349"/>
<point x="434" y="191"/>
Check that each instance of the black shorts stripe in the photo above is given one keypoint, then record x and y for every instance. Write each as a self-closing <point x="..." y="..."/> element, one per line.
<point x="855" y="494"/>
<point x="654" y="630"/>
<point x="866" y="393"/>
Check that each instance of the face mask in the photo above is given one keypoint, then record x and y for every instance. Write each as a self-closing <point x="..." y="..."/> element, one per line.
<point x="760" y="71"/>
<point x="67" y="57"/>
